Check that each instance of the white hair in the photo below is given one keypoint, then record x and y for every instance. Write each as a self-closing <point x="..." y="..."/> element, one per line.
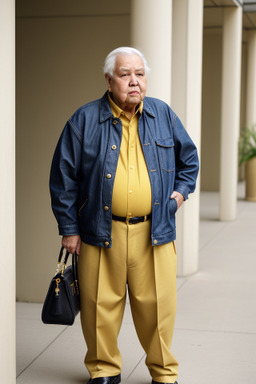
<point x="110" y="60"/>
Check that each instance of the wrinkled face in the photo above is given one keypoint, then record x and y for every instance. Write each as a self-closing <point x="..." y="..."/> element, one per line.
<point x="128" y="83"/>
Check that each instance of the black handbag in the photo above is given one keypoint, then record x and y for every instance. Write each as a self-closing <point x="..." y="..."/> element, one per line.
<point x="62" y="302"/>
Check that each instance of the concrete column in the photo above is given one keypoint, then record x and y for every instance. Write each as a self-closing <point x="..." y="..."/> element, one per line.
<point x="251" y="80"/>
<point x="7" y="200"/>
<point x="151" y="22"/>
<point x="230" y="111"/>
<point x="186" y="102"/>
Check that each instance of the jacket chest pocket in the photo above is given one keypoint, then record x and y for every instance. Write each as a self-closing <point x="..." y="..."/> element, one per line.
<point x="166" y="154"/>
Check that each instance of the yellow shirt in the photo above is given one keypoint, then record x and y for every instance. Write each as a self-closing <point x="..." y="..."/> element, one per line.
<point x="132" y="189"/>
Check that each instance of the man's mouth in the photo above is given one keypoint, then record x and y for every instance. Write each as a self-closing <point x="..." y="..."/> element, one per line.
<point x="133" y="93"/>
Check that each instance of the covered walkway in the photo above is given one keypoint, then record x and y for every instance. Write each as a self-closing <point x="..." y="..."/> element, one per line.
<point x="215" y="337"/>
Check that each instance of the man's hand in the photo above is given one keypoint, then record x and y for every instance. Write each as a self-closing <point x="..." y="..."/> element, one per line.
<point x="72" y="243"/>
<point x="178" y="197"/>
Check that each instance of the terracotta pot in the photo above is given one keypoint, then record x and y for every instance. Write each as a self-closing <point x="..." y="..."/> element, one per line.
<point x="250" y="177"/>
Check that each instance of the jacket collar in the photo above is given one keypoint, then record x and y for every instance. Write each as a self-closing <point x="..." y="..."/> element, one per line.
<point x="147" y="108"/>
<point x="106" y="113"/>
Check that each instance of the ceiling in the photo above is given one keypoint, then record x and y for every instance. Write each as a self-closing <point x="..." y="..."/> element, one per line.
<point x="213" y="12"/>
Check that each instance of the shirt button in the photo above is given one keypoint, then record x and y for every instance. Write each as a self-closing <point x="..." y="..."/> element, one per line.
<point x="109" y="176"/>
<point x="132" y="166"/>
<point x="107" y="243"/>
<point x="113" y="147"/>
<point x="106" y="208"/>
<point x="130" y="191"/>
<point x="155" y="241"/>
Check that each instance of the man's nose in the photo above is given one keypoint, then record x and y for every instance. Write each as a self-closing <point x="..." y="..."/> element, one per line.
<point x="133" y="80"/>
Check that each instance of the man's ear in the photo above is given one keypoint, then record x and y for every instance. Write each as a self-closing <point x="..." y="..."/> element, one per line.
<point x="108" y="80"/>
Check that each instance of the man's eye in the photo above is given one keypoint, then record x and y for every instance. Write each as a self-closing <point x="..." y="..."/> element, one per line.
<point x="140" y="74"/>
<point x="124" y="74"/>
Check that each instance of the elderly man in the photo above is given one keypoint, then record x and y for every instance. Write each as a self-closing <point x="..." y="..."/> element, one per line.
<point x="123" y="166"/>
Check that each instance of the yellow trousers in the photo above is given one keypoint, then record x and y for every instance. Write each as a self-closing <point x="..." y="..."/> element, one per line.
<point x="150" y="274"/>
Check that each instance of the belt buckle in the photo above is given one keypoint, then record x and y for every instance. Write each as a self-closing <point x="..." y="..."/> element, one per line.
<point x="127" y="220"/>
<point x="145" y="218"/>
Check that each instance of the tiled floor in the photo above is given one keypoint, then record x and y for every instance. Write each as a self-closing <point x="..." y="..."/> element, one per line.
<point x="215" y="335"/>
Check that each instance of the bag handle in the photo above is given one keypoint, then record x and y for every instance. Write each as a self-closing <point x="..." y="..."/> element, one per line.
<point x="64" y="263"/>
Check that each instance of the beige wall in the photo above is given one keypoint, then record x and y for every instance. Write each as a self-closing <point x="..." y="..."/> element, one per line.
<point x="59" y="68"/>
<point x="211" y="108"/>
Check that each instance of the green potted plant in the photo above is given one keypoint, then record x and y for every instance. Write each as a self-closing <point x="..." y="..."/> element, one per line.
<point x="247" y="155"/>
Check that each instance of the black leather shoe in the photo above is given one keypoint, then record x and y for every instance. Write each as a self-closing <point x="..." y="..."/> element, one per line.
<point x="157" y="382"/>
<point x="106" y="380"/>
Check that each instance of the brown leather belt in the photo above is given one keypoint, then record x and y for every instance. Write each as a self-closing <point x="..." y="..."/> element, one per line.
<point x="132" y="220"/>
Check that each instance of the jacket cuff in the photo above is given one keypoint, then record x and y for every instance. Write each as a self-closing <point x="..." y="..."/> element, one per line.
<point x="68" y="230"/>
<point x="183" y="189"/>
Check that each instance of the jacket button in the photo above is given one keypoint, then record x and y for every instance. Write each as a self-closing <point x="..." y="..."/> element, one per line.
<point x="115" y="122"/>
<point x="155" y="241"/>
<point x="107" y="243"/>
<point x="113" y="147"/>
<point x="106" y="208"/>
<point x="109" y="176"/>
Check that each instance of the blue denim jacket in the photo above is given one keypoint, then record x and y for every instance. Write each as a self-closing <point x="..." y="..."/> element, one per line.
<point x="88" y="151"/>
